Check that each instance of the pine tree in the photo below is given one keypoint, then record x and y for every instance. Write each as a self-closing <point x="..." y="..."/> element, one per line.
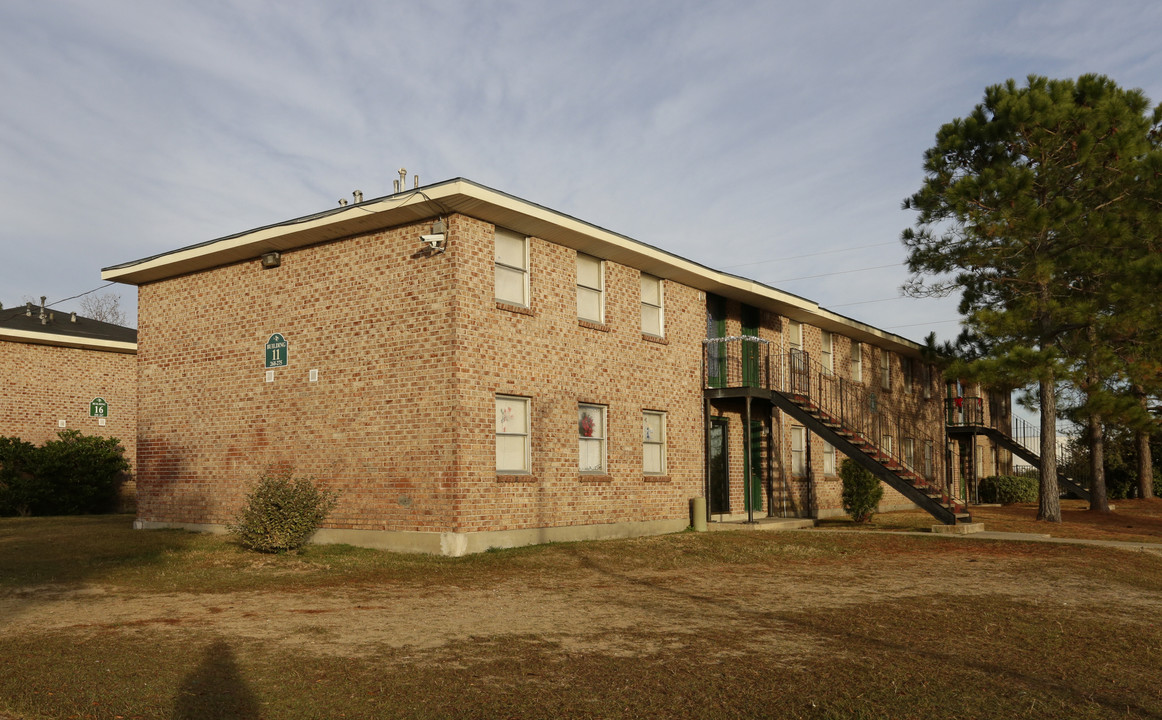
<point x="1020" y="203"/>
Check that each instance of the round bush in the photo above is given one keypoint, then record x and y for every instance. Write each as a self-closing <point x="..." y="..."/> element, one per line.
<point x="281" y="512"/>
<point x="862" y="491"/>
<point x="1006" y="489"/>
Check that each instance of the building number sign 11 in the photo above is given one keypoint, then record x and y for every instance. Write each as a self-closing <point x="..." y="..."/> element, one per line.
<point x="277" y="351"/>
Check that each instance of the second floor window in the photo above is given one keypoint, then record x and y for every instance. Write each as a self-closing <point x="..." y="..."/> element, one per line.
<point x="512" y="268"/>
<point x="652" y="321"/>
<point x="857" y="362"/>
<point x="590" y="288"/>
<point x="826" y="356"/>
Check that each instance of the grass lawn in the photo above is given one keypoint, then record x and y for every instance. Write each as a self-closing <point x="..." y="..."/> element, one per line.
<point x="100" y="621"/>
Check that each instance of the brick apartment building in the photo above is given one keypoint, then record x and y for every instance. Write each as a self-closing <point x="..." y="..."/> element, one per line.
<point x="63" y="371"/>
<point x="472" y="370"/>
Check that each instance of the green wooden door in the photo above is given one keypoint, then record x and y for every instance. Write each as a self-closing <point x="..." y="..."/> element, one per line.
<point x="715" y="351"/>
<point x="753" y="467"/>
<point x="751" y="349"/>
<point x="719" y="468"/>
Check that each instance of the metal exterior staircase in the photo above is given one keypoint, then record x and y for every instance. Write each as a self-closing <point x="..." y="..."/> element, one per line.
<point x="967" y="418"/>
<point x="844" y="413"/>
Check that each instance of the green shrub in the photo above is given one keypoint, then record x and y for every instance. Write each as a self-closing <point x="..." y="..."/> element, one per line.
<point x="16" y="461"/>
<point x="281" y="512"/>
<point x="1008" y="489"/>
<point x="862" y="491"/>
<point x="71" y="475"/>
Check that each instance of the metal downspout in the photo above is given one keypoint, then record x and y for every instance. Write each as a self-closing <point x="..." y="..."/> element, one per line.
<point x="706" y="449"/>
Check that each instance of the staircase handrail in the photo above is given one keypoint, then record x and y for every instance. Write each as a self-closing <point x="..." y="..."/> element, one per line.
<point x="858" y="409"/>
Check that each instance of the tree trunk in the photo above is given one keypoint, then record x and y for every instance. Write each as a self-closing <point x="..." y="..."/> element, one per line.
<point x="1049" y="508"/>
<point x="1098" y="499"/>
<point x="1145" y="460"/>
<point x="1145" y="465"/>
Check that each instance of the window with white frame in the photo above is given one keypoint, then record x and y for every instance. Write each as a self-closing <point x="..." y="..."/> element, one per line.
<point x="795" y="335"/>
<point x="910" y="452"/>
<point x="795" y="347"/>
<point x="798" y="450"/>
<point x="929" y="457"/>
<point x="512" y="434"/>
<point x="885" y="370"/>
<point x="653" y="442"/>
<point x="591" y="438"/>
<point x="828" y="459"/>
<point x="887" y="444"/>
<point x="652" y="318"/>
<point x="926" y="376"/>
<point x="909" y="370"/>
<point x="826" y="348"/>
<point x="512" y="268"/>
<point x="856" y="362"/>
<point x="590" y="288"/>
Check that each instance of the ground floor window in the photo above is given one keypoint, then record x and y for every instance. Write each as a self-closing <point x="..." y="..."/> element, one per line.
<point x="828" y="459"/>
<point x="591" y="438"/>
<point x="910" y="452"/>
<point x="653" y="442"/>
<point x="798" y="450"/>
<point x="512" y="434"/>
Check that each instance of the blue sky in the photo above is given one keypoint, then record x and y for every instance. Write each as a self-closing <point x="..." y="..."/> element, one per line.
<point x="772" y="140"/>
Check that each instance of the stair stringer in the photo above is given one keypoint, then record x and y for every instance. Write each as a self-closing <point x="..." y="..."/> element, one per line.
<point x="926" y="502"/>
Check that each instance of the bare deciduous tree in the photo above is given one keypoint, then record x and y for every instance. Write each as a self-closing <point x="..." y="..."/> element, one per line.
<point x="105" y="307"/>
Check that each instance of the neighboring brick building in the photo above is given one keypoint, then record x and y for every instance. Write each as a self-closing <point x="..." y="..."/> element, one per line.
<point x="471" y="370"/>
<point x="56" y="365"/>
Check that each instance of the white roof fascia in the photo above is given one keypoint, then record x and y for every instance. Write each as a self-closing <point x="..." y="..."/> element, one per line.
<point x="69" y="341"/>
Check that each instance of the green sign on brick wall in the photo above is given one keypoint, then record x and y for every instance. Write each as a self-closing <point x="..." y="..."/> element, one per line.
<point x="277" y="351"/>
<point x="98" y="408"/>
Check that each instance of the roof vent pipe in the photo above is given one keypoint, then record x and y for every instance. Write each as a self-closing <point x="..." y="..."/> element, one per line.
<point x="73" y="317"/>
<point x="28" y="310"/>
<point x="43" y="317"/>
<point x="358" y="195"/>
<point x="417" y="181"/>
<point x="403" y="178"/>
<point x="342" y="202"/>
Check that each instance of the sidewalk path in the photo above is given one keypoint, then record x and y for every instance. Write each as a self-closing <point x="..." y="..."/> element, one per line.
<point x="1136" y="546"/>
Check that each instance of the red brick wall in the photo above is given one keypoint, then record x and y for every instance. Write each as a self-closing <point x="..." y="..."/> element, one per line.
<point x="372" y="315"/>
<point x="411" y="350"/>
<point x="44" y="384"/>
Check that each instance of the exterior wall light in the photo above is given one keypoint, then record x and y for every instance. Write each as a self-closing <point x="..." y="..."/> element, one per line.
<point x="271" y="260"/>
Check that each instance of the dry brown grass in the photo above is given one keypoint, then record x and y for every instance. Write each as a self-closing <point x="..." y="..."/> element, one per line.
<point x="102" y="622"/>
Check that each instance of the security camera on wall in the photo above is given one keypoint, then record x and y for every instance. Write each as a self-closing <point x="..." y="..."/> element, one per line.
<point x="435" y="242"/>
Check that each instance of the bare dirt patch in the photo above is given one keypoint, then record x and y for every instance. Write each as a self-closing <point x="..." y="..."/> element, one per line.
<point x="585" y="599"/>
